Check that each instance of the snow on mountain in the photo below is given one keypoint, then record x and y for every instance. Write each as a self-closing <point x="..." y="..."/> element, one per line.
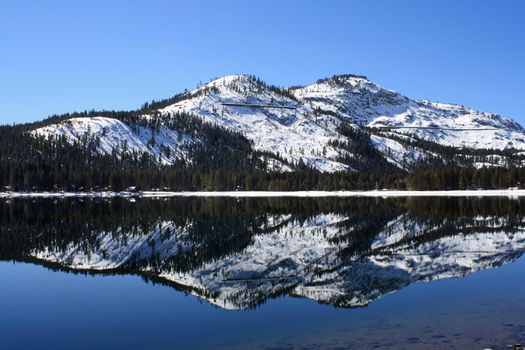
<point x="398" y="154"/>
<point x="274" y="122"/>
<point x="108" y="134"/>
<point x="301" y="124"/>
<point x="359" y="100"/>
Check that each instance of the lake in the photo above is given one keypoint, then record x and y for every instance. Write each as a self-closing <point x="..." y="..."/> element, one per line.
<point x="262" y="273"/>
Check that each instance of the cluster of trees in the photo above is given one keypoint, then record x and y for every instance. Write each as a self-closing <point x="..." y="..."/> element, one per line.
<point x="31" y="162"/>
<point x="455" y="178"/>
<point x="361" y="155"/>
<point x="222" y="159"/>
<point x="466" y="157"/>
<point x="261" y="85"/>
<point x="69" y="173"/>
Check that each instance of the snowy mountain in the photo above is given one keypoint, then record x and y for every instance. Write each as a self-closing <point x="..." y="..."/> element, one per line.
<point x="360" y="101"/>
<point x="306" y="125"/>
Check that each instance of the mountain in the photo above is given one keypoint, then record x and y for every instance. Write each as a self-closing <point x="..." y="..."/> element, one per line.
<point x="344" y="123"/>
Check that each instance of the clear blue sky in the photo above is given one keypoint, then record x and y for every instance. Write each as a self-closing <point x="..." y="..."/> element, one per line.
<point x="62" y="56"/>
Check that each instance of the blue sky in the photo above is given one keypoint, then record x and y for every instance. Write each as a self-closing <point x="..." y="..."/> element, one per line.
<point x="62" y="56"/>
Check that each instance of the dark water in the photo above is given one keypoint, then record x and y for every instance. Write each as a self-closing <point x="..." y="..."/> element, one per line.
<point x="295" y="273"/>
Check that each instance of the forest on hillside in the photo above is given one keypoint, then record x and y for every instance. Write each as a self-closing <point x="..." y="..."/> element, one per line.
<point x="226" y="160"/>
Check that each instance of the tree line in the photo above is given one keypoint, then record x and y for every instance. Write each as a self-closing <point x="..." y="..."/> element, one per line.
<point x="223" y="159"/>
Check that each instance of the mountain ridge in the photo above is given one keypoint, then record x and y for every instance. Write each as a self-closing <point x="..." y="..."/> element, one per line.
<point x="337" y="124"/>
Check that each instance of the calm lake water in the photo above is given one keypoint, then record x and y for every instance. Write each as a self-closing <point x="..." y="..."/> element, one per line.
<point x="262" y="273"/>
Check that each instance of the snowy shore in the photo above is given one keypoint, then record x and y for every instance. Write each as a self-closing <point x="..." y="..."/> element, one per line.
<point x="375" y="193"/>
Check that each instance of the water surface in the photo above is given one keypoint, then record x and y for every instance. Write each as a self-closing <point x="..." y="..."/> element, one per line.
<point x="262" y="273"/>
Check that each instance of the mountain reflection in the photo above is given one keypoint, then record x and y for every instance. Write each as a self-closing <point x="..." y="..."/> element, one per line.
<point x="237" y="253"/>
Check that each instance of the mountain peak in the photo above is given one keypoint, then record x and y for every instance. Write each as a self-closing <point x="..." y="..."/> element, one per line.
<point x="350" y="83"/>
<point x="343" y="79"/>
<point x="228" y="79"/>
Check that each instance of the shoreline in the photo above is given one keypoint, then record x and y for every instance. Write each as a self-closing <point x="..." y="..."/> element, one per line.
<point x="254" y="194"/>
